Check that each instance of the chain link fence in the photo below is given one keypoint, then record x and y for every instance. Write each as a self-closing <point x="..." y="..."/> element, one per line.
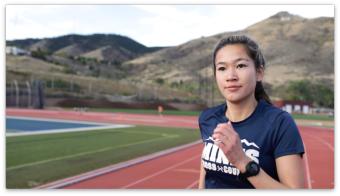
<point x="25" y="94"/>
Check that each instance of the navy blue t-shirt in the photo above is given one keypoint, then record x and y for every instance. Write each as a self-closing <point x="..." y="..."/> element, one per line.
<point x="268" y="133"/>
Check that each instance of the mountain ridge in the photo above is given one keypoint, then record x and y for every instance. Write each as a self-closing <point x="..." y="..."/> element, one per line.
<point x="124" y="47"/>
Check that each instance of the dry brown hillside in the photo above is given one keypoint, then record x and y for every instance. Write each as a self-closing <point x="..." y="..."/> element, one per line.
<point x="294" y="47"/>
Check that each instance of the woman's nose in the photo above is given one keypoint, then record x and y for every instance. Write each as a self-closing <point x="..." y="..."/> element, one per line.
<point x="231" y="74"/>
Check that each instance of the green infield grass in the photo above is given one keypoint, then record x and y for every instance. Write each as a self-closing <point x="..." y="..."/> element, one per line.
<point x="38" y="159"/>
<point x="313" y="117"/>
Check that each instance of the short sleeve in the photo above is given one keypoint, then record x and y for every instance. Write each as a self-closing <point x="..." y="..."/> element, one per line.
<point x="287" y="139"/>
<point x="201" y="124"/>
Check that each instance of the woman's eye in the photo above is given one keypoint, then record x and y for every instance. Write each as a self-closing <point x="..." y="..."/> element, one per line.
<point x="241" y="65"/>
<point x="221" y="68"/>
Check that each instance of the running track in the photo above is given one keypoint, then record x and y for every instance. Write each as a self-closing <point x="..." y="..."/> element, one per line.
<point x="181" y="169"/>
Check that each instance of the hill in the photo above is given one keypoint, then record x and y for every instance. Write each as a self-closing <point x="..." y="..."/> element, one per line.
<point x="105" y="47"/>
<point x="294" y="47"/>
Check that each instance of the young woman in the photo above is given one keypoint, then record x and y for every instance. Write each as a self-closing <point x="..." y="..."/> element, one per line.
<point x="248" y="143"/>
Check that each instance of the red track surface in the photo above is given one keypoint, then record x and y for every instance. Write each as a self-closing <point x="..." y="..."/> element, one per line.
<point x="319" y="147"/>
<point x="181" y="169"/>
<point x="176" y="170"/>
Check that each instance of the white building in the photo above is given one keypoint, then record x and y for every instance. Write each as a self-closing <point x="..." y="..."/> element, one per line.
<point x="16" y="51"/>
<point x="294" y="106"/>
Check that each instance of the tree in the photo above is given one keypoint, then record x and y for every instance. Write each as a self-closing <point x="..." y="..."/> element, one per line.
<point x="160" y="81"/>
<point x="305" y="90"/>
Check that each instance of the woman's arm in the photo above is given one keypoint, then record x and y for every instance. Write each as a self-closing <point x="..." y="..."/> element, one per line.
<point x="290" y="170"/>
<point x="201" y="182"/>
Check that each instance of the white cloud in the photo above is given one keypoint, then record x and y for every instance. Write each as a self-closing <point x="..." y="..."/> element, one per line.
<point x="156" y="25"/>
<point x="170" y="24"/>
<point x="178" y="25"/>
<point x="38" y="21"/>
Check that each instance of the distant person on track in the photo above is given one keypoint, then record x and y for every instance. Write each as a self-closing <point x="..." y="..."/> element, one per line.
<point x="248" y="143"/>
<point x="160" y="110"/>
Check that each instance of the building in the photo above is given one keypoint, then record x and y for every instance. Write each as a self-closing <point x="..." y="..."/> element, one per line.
<point x="16" y="51"/>
<point x="303" y="107"/>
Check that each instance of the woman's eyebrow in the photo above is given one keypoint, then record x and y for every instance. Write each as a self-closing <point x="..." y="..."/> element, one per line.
<point x="234" y="61"/>
<point x="221" y="63"/>
<point x="240" y="59"/>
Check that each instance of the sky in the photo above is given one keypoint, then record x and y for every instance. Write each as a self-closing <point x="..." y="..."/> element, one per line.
<point x="151" y="25"/>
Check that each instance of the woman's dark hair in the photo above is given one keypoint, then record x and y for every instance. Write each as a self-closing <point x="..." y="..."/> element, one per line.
<point x="254" y="52"/>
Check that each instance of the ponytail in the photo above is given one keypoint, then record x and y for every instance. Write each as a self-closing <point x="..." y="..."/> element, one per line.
<point x="260" y="93"/>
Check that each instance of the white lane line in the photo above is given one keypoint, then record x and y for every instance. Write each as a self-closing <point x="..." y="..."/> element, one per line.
<point x="56" y="120"/>
<point x="308" y="176"/>
<point x="51" y="131"/>
<point x="323" y="142"/>
<point x="160" y="172"/>
<point x="87" y="153"/>
<point x="99" y="126"/>
<point x="192" y="185"/>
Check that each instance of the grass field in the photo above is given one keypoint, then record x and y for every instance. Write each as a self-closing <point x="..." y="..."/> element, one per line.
<point x="35" y="160"/>
<point x="313" y="117"/>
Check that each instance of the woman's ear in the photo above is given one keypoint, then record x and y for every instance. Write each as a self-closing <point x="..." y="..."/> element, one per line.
<point x="259" y="73"/>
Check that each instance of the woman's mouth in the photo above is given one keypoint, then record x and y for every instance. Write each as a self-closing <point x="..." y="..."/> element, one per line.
<point x="233" y="88"/>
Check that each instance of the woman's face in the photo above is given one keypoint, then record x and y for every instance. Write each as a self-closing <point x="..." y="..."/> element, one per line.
<point x="236" y="75"/>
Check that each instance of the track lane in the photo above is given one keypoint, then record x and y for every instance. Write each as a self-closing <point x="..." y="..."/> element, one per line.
<point x="319" y="145"/>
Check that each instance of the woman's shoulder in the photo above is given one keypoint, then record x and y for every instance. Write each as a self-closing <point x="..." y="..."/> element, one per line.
<point x="212" y="111"/>
<point x="272" y="112"/>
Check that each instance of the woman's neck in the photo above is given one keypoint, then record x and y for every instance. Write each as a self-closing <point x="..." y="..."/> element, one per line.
<point x="239" y="111"/>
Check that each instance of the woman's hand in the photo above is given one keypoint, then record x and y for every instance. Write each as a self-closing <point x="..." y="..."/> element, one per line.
<point x="290" y="167"/>
<point x="229" y="142"/>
